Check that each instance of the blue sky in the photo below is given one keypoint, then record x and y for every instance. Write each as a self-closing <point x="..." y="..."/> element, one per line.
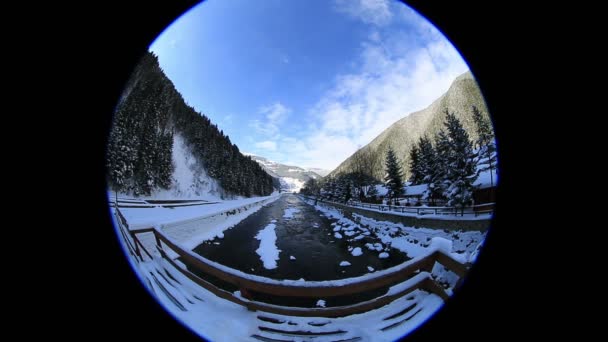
<point x="306" y="83"/>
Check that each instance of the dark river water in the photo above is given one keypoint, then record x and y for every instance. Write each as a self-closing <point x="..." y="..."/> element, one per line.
<point x="308" y="236"/>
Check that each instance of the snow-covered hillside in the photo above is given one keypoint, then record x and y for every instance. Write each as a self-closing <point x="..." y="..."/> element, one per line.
<point x="321" y="172"/>
<point x="292" y="178"/>
<point x="189" y="179"/>
<point x="291" y="184"/>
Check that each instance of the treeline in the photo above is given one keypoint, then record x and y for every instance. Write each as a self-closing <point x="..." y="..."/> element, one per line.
<point x="451" y="162"/>
<point x="448" y="164"/>
<point x="139" y="156"/>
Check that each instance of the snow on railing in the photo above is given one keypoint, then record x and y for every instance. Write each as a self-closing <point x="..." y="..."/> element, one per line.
<point x="402" y="279"/>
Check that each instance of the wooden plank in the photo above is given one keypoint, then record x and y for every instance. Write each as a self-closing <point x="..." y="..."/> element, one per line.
<point x="302" y="332"/>
<point x="393" y="325"/>
<point x="204" y="284"/>
<point x="401" y="312"/>
<point x="137" y="242"/>
<point x="143" y="230"/>
<point x="295" y="311"/>
<point x="431" y="286"/>
<point x="339" y="311"/>
<point x="450" y="263"/>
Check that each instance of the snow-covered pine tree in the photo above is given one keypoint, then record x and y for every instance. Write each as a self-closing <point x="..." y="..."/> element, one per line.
<point x="140" y="145"/>
<point x="485" y="143"/>
<point x="461" y="164"/>
<point x="122" y="152"/>
<point x="427" y="156"/>
<point x="392" y="180"/>
<point x="344" y="187"/>
<point x="435" y="166"/>
<point x="416" y="174"/>
<point x="372" y="192"/>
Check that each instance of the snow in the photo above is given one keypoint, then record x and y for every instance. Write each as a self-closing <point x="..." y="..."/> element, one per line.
<point x="415" y="190"/>
<point x="422" y="212"/>
<point x="442" y="244"/>
<point x="291" y="257"/>
<point x="190" y="226"/>
<point x="338" y="235"/>
<point x="483" y="181"/>
<point x="356" y="251"/>
<point x="383" y="255"/>
<point x="216" y="319"/>
<point x="381" y="190"/>
<point x="291" y="184"/>
<point x="289" y="212"/>
<point x="268" y="251"/>
<point x="189" y="179"/>
<point x="156" y="217"/>
<point x="408" y="283"/>
<point x="413" y="241"/>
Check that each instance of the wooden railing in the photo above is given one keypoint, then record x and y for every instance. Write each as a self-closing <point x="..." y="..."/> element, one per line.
<point x="411" y="275"/>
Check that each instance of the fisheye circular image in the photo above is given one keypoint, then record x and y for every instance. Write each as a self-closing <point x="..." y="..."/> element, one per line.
<point x="302" y="170"/>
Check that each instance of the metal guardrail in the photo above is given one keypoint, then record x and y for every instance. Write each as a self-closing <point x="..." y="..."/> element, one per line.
<point x="475" y="210"/>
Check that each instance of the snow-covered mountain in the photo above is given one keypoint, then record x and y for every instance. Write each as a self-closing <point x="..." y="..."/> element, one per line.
<point x="292" y="178"/>
<point x="321" y="172"/>
<point x="404" y="134"/>
<point x="159" y="146"/>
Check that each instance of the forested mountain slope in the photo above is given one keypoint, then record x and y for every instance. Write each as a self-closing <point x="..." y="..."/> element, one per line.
<point x="150" y="119"/>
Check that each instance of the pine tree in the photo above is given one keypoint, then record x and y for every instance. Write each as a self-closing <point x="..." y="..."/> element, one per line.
<point x="461" y="164"/>
<point x="372" y="192"/>
<point x="139" y="156"/>
<point x="416" y="174"/>
<point x="485" y="143"/>
<point x="122" y="152"/>
<point x="422" y="157"/>
<point x="164" y="161"/>
<point x="436" y="168"/>
<point x="392" y="180"/>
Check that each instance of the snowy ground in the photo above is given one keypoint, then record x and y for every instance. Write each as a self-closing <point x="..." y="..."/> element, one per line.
<point x="410" y="240"/>
<point x="156" y="217"/>
<point x="216" y="319"/>
<point x="190" y="226"/>
<point x="219" y="320"/>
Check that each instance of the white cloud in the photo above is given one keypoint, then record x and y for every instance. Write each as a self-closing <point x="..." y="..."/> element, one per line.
<point x="272" y="117"/>
<point x="227" y="119"/>
<point x="267" y="145"/>
<point x="374" y="36"/>
<point x="369" y="11"/>
<point x="396" y="74"/>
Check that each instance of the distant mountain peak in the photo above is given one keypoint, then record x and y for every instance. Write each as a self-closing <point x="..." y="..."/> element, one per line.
<point x="292" y="178"/>
<point x="319" y="171"/>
